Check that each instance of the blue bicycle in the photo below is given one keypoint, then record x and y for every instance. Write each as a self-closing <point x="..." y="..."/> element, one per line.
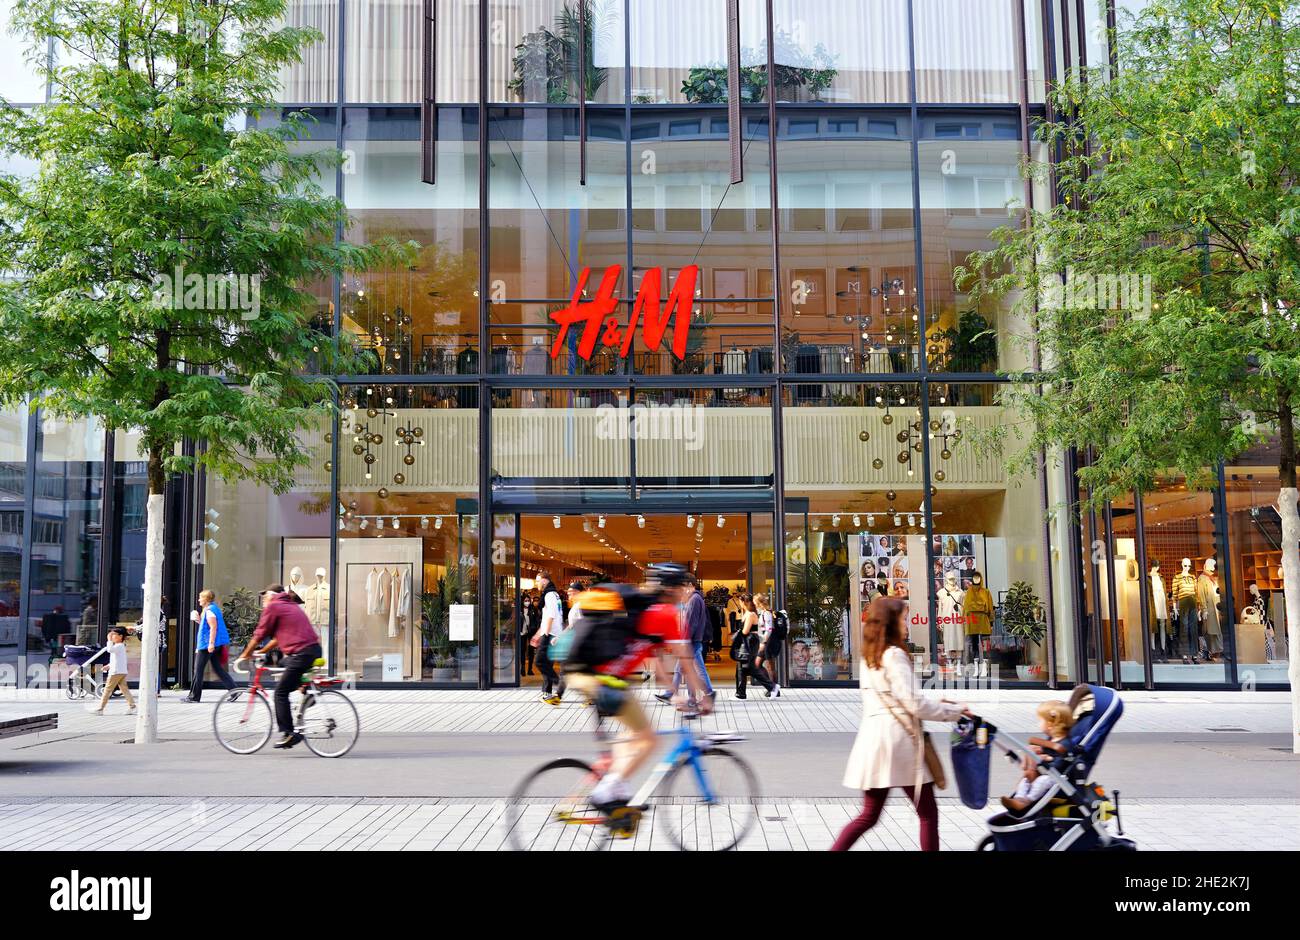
<point x="705" y="796"/>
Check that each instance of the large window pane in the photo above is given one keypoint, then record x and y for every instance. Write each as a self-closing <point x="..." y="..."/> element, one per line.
<point x="970" y="185"/>
<point x="420" y="318"/>
<point x="316" y="77"/>
<point x="848" y="243"/>
<point x="384" y="46"/>
<point x="408" y="533"/>
<point x="965" y="51"/>
<point x="533" y="51"/>
<point x="19" y="81"/>
<point x="679" y="51"/>
<point x="841" y="51"/>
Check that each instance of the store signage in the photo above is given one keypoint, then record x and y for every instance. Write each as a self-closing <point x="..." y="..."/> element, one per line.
<point x="601" y="324"/>
<point x="461" y="627"/>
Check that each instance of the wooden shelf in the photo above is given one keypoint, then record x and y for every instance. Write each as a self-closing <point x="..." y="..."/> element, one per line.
<point x="1263" y="569"/>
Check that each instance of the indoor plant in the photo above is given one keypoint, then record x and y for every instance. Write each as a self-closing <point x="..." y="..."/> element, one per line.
<point x="972" y="346"/>
<point x="817" y="600"/>
<point x="1023" y="621"/>
<point x="545" y="63"/>
<point x="435" y="626"/>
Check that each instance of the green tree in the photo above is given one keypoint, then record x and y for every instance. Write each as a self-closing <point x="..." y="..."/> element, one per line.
<point x="150" y="163"/>
<point x="1163" y="290"/>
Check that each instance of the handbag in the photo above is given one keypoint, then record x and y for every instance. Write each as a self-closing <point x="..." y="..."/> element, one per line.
<point x="925" y="747"/>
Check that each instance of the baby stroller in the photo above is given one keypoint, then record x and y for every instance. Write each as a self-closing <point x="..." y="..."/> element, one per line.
<point x="81" y="681"/>
<point x="1074" y="815"/>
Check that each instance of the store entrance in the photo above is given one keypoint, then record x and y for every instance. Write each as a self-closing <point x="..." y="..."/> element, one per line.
<point x="730" y="553"/>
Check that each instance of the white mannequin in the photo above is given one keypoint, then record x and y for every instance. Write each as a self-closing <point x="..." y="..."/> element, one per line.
<point x="296" y="583"/>
<point x="1209" y="611"/>
<point x="316" y="600"/>
<point x="1160" y="601"/>
<point x="1187" y="565"/>
<point x="948" y="607"/>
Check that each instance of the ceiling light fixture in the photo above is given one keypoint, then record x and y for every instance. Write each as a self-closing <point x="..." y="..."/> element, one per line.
<point x="835" y="521"/>
<point x="555" y="521"/>
<point x="690" y="521"/>
<point x="640" y="522"/>
<point x="722" y="520"/>
<point x="437" y="523"/>
<point x="898" y="521"/>
<point x="857" y="521"/>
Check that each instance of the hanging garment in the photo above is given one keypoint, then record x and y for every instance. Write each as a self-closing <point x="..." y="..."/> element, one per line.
<point x="733" y="363"/>
<point x="402" y="597"/>
<point x="379" y="587"/>
<point x="394" y="620"/>
<point x="977" y="608"/>
<point x="1207" y="601"/>
<point x="1159" y="599"/>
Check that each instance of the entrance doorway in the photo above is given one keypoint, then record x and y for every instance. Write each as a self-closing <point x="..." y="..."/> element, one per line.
<point x="731" y="553"/>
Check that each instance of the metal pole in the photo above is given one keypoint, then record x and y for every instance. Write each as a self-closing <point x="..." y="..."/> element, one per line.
<point x="778" y="465"/>
<point x="1144" y="588"/>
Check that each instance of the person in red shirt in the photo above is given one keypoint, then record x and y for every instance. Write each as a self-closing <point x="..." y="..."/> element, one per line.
<point x="660" y="629"/>
<point x="284" y="624"/>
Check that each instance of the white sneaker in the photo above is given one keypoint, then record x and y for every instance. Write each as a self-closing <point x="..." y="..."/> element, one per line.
<point x="611" y="788"/>
<point x="776" y="690"/>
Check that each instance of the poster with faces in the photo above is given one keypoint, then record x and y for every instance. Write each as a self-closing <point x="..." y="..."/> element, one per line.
<point x="961" y="555"/>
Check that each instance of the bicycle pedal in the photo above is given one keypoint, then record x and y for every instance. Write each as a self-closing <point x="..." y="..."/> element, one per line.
<point x="623" y="821"/>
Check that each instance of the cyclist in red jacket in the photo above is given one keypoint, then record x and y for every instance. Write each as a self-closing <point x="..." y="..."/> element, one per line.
<point x="284" y="624"/>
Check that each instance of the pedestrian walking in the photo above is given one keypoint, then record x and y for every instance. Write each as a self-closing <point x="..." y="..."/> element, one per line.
<point x="530" y="619"/>
<point x="552" y="625"/>
<point x="210" y="646"/>
<point x="890" y="749"/>
<point x="698" y="629"/>
<point x="116" y="671"/>
<point x="747" y="655"/>
<point x="771" y="637"/>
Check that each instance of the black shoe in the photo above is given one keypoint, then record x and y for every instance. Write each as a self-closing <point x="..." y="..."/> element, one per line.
<point x="288" y="741"/>
<point x="665" y="697"/>
<point x="742" y="697"/>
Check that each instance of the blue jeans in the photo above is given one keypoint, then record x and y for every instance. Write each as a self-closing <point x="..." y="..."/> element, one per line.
<point x="699" y="664"/>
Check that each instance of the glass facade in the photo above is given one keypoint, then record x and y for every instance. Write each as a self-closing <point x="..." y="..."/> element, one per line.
<point x="810" y="436"/>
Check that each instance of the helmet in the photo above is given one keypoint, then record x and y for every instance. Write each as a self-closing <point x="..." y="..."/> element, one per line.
<point x="668" y="574"/>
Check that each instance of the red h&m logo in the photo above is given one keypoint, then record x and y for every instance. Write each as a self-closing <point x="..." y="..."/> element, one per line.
<point x="600" y="311"/>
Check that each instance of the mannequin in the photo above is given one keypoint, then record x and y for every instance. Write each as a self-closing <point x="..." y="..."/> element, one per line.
<point x="977" y="608"/>
<point x="1259" y="615"/>
<point x="297" y="583"/>
<point x="1159" y="605"/>
<point x="1207" y="604"/>
<point x="316" y="600"/>
<point x="949" y="609"/>
<point x="1183" y="593"/>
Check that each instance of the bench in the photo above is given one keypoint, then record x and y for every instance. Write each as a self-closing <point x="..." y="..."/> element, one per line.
<point x="11" y="727"/>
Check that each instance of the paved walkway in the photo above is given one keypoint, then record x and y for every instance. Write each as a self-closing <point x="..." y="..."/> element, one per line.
<point x="518" y="711"/>
<point x="423" y="825"/>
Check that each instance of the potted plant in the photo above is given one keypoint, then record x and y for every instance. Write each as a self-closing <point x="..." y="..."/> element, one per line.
<point x="972" y="346"/>
<point x="241" y="610"/>
<point x="435" y="626"/>
<point x="545" y="63"/>
<point x="817" y="600"/>
<point x="1022" y="618"/>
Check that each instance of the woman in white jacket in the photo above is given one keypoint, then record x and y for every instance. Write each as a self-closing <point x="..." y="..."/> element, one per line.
<point x="888" y="750"/>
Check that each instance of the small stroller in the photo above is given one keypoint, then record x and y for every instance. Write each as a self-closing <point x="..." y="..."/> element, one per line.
<point x="1075" y="813"/>
<point x="81" y="681"/>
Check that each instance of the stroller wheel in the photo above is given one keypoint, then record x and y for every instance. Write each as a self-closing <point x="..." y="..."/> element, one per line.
<point x="987" y="844"/>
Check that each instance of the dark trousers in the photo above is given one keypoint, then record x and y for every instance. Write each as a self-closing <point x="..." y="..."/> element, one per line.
<point x="1188" y="626"/>
<point x="746" y="671"/>
<point x="873" y="801"/>
<point x="295" y="665"/>
<point x="201" y="660"/>
<point x="550" y="679"/>
<point x="527" y="654"/>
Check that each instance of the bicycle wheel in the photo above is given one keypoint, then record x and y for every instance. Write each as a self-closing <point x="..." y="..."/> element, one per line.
<point x="243" y="721"/>
<point x="711" y="806"/>
<point x="329" y="723"/>
<point x="549" y="811"/>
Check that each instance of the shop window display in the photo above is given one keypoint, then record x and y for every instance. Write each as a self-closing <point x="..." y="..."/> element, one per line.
<point x="407" y="521"/>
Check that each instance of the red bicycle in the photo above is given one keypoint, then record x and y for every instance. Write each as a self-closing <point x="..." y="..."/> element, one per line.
<point x="326" y="718"/>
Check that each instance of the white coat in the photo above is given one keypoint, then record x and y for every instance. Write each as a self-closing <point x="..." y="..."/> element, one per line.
<point x="885" y="751"/>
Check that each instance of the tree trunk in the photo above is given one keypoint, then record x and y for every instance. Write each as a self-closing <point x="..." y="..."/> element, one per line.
<point x="1290" y="559"/>
<point x="146" y="722"/>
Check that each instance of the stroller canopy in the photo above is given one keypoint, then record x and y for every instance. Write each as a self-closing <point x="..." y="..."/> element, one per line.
<point x="1096" y="709"/>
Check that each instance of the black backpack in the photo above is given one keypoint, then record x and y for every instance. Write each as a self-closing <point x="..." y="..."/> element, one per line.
<point x="606" y="625"/>
<point x="780" y="627"/>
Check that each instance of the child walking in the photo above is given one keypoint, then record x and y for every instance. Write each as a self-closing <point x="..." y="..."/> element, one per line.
<point x="116" y="670"/>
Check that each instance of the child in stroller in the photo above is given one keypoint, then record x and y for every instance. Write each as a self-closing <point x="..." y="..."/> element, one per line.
<point x="1072" y="813"/>
<point x="1055" y="719"/>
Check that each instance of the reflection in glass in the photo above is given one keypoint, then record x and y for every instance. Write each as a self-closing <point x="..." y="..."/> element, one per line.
<point x="963" y="51"/>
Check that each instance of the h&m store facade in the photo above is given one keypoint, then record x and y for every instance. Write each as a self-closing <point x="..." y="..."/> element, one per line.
<point x="808" y="436"/>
